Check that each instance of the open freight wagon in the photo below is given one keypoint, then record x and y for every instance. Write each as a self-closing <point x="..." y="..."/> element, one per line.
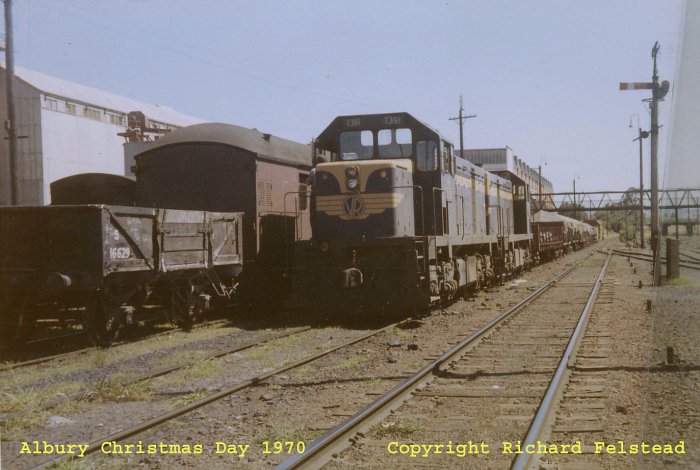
<point x="99" y="263"/>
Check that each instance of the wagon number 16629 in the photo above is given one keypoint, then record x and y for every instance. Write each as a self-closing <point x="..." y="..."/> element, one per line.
<point x="121" y="252"/>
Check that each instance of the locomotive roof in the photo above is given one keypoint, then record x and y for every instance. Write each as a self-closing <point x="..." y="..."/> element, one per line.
<point x="266" y="146"/>
<point x="325" y="138"/>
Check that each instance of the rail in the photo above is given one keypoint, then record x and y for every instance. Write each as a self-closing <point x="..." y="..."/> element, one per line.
<point x="551" y="397"/>
<point x="337" y="439"/>
<point x="119" y="436"/>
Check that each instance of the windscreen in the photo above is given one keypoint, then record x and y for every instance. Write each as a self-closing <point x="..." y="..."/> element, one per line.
<point x="356" y="145"/>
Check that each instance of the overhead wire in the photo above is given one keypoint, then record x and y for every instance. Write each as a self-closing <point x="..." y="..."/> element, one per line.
<point x="77" y="14"/>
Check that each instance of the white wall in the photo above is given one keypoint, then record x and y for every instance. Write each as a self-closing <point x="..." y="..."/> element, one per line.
<point x="683" y="160"/>
<point x="76" y="144"/>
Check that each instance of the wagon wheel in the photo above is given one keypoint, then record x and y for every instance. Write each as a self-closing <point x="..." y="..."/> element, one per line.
<point x="182" y="305"/>
<point x="16" y="324"/>
<point x="102" y="321"/>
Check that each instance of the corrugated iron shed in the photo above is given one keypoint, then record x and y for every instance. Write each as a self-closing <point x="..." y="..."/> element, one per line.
<point x="91" y="96"/>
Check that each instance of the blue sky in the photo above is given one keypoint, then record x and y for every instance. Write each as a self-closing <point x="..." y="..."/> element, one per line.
<point x="542" y="76"/>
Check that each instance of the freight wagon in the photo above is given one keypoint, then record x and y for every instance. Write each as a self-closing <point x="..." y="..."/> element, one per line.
<point x="99" y="263"/>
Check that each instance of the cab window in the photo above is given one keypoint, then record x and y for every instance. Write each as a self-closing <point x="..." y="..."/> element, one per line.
<point x="356" y="145"/>
<point x="426" y="155"/>
<point x="394" y="143"/>
<point x="446" y="157"/>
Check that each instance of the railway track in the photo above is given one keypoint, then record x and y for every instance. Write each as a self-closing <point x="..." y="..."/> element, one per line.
<point x="645" y="257"/>
<point x="144" y="426"/>
<point x="84" y="395"/>
<point x="78" y="352"/>
<point x="518" y="364"/>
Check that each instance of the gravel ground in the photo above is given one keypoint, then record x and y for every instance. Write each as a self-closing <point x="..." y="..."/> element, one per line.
<point x="672" y="394"/>
<point x="115" y="407"/>
<point x="302" y="404"/>
<point x="298" y="406"/>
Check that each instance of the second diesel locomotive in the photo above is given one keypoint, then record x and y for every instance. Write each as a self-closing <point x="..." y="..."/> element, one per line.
<point x="399" y="220"/>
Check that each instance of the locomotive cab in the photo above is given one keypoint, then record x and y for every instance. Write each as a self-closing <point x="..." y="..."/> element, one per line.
<point x="379" y="178"/>
<point x="373" y="202"/>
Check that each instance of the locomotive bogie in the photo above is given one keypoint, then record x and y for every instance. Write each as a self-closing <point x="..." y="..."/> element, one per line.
<point x="352" y="273"/>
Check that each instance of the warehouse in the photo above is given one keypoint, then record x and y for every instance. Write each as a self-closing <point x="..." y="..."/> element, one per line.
<point x="65" y="128"/>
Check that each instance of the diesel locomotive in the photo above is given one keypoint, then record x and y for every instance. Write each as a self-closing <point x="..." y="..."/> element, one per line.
<point x="400" y="221"/>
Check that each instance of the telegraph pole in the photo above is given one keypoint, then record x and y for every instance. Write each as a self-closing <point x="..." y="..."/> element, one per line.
<point x="461" y="118"/>
<point x="9" y="89"/>
<point x="642" y="135"/>
<point x="657" y="93"/>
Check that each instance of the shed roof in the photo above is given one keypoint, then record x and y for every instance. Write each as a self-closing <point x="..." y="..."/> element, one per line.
<point x="263" y="145"/>
<point x="92" y="96"/>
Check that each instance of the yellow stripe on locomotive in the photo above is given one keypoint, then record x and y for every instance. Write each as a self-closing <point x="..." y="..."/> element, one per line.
<point x="356" y="190"/>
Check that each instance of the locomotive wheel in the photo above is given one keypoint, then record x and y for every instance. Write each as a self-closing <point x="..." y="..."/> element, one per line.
<point x="16" y="324"/>
<point x="102" y="322"/>
<point x="182" y="306"/>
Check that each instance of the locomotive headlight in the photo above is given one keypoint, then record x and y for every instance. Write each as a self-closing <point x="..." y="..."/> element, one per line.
<point x="352" y="183"/>
<point x="351" y="172"/>
<point x="324" y="246"/>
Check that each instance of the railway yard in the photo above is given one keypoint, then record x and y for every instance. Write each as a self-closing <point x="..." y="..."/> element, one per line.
<point x="470" y="380"/>
<point x="295" y="254"/>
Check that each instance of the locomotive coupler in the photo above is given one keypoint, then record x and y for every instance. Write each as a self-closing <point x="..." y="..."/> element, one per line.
<point x="351" y="278"/>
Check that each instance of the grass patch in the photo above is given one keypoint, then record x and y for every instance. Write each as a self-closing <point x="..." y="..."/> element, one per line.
<point x="273" y="386"/>
<point x="680" y="282"/>
<point x="401" y="333"/>
<point x="203" y="369"/>
<point x="303" y="372"/>
<point x="113" y="389"/>
<point x="180" y="358"/>
<point x="189" y="398"/>
<point x="100" y="357"/>
<point x="372" y="383"/>
<point x="257" y="354"/>
<point x="393" y="429"/>
<point x="194" y="371"/>
<point x="350" y="363"/>
<point x="118" y="355"/>
<point x="69" y="465"/>
<point x="28" y="399"/>
<point x="291" y="340"/>
<point x="18" y="427"/>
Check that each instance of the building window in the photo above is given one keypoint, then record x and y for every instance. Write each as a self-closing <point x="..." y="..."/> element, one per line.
<point x="70" y="108"/>
<point x="117" y="119"/>
<point x="51" y="104"/>
<point x="92" y="113"/>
